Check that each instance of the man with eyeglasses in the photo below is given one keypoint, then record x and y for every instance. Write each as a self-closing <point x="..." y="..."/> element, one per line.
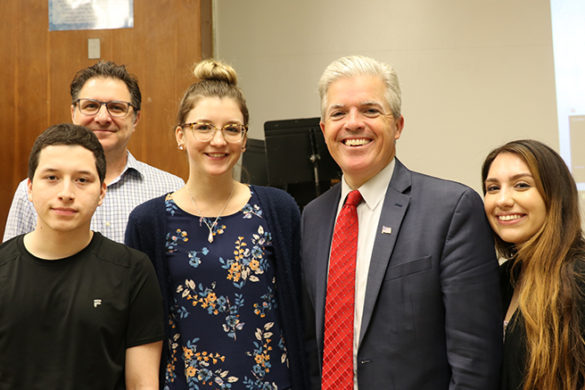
<point x="106" y="99"/>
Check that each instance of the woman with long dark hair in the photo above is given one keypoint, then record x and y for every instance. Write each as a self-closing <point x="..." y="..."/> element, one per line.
<point x="532" y="204"/>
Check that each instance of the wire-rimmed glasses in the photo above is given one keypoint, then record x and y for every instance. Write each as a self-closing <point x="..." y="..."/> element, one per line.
<point x="205" y="131"/>
<point x="116" y="108"/>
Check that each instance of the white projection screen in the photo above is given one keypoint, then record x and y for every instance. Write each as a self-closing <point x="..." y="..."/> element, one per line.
<point x="568" y="27"/>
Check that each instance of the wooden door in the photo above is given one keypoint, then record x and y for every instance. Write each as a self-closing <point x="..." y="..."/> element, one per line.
<point x="168" y="37"/>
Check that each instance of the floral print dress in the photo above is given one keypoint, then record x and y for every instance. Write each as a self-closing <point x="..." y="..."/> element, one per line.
<point x="225" y="331"/>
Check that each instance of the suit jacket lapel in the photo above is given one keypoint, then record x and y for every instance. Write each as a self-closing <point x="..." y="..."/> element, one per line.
<point x="325" y="235"/>
<point x="393" y="210"/>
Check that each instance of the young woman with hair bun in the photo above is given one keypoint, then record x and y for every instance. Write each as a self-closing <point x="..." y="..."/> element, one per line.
<point x="226" y="255"/>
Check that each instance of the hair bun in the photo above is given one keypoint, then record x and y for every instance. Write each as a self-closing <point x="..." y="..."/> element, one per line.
<point x="213" y="70"/>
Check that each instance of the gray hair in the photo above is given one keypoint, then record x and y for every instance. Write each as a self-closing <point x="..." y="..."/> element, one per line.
<point x="359" y="65"/>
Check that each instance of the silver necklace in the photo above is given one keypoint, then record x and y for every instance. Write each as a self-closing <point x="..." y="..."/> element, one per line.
<point x="210" y="227"/>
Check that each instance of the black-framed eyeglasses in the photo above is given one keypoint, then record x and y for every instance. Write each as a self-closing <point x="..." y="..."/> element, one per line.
<point x="116" y="108"/>
<point x="205" y="131"/>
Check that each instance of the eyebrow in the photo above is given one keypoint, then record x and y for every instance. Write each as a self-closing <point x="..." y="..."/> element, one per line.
<point x="361" y="104"/>
<point x="332" y="106"/>
<point x="515" y="177"/>
<point x="372" y="103"/>
<point x="209" y="121"/>
<point x="55" y="170"/>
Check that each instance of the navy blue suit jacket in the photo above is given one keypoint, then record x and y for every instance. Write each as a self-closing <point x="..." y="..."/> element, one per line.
<point x="432" y="311"/>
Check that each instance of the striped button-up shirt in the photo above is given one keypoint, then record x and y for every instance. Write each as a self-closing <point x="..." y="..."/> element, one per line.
<point x="138" y="183"/>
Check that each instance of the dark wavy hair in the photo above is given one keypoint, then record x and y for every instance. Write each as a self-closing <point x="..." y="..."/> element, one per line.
<point x="107" y="69"/>
<point x="68" y="134"/>
<point x="551" y="264"/>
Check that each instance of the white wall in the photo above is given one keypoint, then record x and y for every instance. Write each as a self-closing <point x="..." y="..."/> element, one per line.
<point x="474" y="73"/>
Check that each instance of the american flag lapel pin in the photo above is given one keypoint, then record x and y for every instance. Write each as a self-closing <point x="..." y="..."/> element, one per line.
<point x="386" y="230"/>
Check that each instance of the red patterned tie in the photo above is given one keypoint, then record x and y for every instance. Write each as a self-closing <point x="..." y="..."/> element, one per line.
<point x="339" y="302"/>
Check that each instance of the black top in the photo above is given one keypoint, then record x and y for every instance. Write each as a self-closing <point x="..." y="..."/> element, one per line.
<point x="66" y="323"/>
<point x="514" y="359"/>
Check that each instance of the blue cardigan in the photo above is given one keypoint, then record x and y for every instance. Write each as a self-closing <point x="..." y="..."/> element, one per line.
<point x="146" y="231"/>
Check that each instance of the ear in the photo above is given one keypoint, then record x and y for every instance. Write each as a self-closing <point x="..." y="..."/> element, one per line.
<point x="137" y="117"/>
<point x="73" y="113"/>
<point x="322" y="126"/>
<point x="399" y="126"/>
<point x="103" y="190"/>
<point x="29" y="189"/>
<point x="244" y="142"/>
<point x="179" y="135"/>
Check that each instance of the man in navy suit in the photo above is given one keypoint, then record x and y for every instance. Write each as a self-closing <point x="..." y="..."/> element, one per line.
<point x="427" y="306"/>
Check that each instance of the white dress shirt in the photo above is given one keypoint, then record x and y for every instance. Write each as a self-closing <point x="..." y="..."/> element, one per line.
<point x="369" y="210"/>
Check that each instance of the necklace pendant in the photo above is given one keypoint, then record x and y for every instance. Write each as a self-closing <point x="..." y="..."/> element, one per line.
<point x="210" y="237"/>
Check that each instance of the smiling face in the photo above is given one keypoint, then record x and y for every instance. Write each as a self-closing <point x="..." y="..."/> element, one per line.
<point x="112" y="132"/>
<point x="65" y="189"/>
<point x="514" y="206"/>
<point x="359" y="128"/>
<point x="215" y="157"/>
